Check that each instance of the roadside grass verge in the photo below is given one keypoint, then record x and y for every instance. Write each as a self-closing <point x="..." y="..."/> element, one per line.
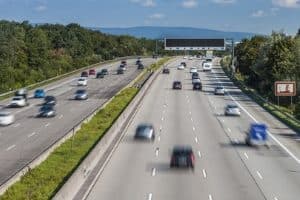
<point x="45" y="180"/>
<point x="281" y="114"/>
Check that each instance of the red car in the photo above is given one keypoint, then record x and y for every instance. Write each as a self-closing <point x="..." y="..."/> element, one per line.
<point x="84" y="74"/>
<point x="124" y="62"/>
<point x="92" y="72"/>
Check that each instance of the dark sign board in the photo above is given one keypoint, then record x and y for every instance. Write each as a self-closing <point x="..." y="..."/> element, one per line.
<point x="194" y="44"/>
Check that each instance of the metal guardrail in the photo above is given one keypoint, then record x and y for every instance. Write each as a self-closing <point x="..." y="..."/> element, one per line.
<point x="70" y="73"/>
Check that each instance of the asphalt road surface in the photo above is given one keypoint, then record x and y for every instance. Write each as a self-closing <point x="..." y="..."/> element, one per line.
<point x="225" y="168"/>
<point x="29" y="136"/>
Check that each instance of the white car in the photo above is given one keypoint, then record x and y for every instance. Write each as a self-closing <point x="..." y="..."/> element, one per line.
<point x="219" y="90"/>
<point x="82" y="81"/>
<point x="191" y="58"/>
<point x="207" y="66"/>
<point x="232" y="110"/>
<point x="180" y="67"/>
<point x="193" y="70"/>
<point x="196" y="80"/>
<point x="18" y="101"/>
<point x="185" y="57"/>
<point x="6" y="118"/>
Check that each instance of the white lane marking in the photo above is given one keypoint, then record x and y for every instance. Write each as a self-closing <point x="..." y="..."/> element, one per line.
<point x="275" y="198"/>
<point x="11" y="147"/>
<point x="191" y="119"/>
<point x="210" y="197"/>
<point x="196" y="139"/>
<point x="162" y="119"/>
<point x="229" y="130"/>
<point x="61" y="116"/>
<point x="194" y="128"/>
<point x="246" y="155"/>
<point x="158" y="138"/>
<point x="270" y="134"/>
<point x="156" y="152"/>
<point x="204" y="173"/>
<point x="160" y="128"/>
<point x="187" y="96"/>
<point x="190" y="112"/>
<point x="153" y="171"/>
<point x="259" y="175"/>
<point x="31" y="134"/>
<point x="16" y="125"/>
<point x="215" y="108"/>
<point x="46" y="125"/>
<point x="150" y="196"/>
<point x="199" y="154"/>
<point x="222" y="120"/>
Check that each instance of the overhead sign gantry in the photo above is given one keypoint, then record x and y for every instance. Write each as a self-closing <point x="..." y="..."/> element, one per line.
<point x="196" y="44"/>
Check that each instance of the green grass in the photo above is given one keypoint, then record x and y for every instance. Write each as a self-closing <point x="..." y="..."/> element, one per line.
<point x="282" y="114"/>
<point x="46" y="179"/>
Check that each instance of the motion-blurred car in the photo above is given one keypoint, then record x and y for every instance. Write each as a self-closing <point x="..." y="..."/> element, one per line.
<point x="138" y="61"/>
<point x="18" y="101"/>
<point x="50" y="100"/>
<point x="22" y="92"/>
<point x="99" y="75"/>
<point x="232" y="110"/>
<point x="120" y="70"/>
<point x="123" y="67"/>
<point x="207" y="67"/>
<point x="183" y="63"/>
<point x="177" y="85"/>
<point x="104" y="71"/>
<point x="140" y="66"/>
<point x="182" y="156"/>
<point x="82" y="81"/>
<point x="39" y="93"/>
<point x="47" y="111"/>
<point x="84" y="74"/>
<point x="196" y="80"/>
<point x="180" y="67"/>
<point x="166" y="71"/>
<point x="81" y="95"/>
<point x="197" y="86"/>
<point x="92" y="72"/>
<point x="124" y="62"/>
<point x="195" y="75"/>
<point x="219" y="90"/>
<point x="145" y="132"/>
<point x="6" y="118"/>
<point x="191" y="58"/>
<point x="193" y="70"/>
<point x="185" y="57"/>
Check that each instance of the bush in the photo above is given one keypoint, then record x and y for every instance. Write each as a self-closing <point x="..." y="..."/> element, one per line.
<point x="297" y="110"/>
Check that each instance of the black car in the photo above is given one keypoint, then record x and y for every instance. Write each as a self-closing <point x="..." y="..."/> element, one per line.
<point x="120" y="71"/>
<point x="49" y="100"/>
<point x="104" y="71"/>
<point x="124" y="62"/>
<point x="182" y="156"/>
<point x="177" y="85"/>
<point x="47" y="111"/>
<point x="138" y="62"/>
<point x="195" y="75"/>
<point x="145" y="132"/>
<point x="183" y="63"/>
<point x="99" y="75"/>
<point x="84" y="74"/>
<point x="140" y="66"/>
<point x="197" y="86"/>
<point x="166" y="71"/>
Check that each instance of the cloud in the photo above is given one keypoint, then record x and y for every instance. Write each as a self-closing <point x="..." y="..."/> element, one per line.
<point x="224" y="1"/>
<point x="40" y="8"/>
<point x="189" y="3"/>
<point x="258" y="13"/>
<point x="157" y="16"/>
<point x="287" y="3"/>
<point x="145" y="3"/>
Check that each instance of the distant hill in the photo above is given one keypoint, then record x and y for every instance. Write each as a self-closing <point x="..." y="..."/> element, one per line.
<point x="154" y="32"/>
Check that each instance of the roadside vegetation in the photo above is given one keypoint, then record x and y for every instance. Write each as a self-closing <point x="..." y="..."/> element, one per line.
<point x="46" y="179"/>
<point x="33" y="53"/>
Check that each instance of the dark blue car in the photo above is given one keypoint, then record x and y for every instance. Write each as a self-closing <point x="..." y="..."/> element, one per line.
<point x="39" y="93"/>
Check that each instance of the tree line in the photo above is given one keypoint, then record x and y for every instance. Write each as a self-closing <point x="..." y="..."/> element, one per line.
<point x="262" y="60"/>
<point x="33" y="53"/>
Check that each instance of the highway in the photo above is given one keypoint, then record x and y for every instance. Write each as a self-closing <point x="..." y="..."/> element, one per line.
<point x="29" y="136"/>
<point x="225" y="168"/>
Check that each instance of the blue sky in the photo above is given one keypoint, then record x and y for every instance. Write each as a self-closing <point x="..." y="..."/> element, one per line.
<point x="259" y="16"/>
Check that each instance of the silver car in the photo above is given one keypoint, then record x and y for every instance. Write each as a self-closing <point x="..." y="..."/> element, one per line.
<point x="81" y="95"/>
<point x="232" y="110"/>
<point x="219" y="90"/>
<point x="145" y="132"/>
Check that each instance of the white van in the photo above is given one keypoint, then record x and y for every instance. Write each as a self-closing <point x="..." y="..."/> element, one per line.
<point x="207" y="66"/>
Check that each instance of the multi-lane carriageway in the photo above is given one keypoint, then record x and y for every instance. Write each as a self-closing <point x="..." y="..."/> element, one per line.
<point x="225" y="169"/>
<point x="28" y="137"/>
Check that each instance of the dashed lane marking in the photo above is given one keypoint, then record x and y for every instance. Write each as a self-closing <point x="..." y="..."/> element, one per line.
<point x="11" y="147"/>
<point x="31" y="134"/>
<point x="204" y="173"/>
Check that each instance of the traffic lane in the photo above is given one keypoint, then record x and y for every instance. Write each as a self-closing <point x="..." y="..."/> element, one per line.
<point x="267" y="166"/>
<point x="15" y="142"/>
<point x="127" y="171"/>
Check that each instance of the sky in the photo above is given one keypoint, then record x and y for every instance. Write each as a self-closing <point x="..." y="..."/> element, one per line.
<point x="256" y="16"/>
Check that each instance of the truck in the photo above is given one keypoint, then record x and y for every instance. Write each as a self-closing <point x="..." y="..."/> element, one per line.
<point x="257" y="135"/>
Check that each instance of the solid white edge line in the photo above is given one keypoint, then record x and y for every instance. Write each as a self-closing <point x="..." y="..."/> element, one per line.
<point x="204" y="173"/>
<point x="270" y="134"/>
<point x="11" y="147"/>
<point x="259" y="175"/>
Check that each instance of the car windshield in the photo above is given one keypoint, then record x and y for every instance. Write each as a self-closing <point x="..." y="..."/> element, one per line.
<point x="232" y="106"/>
<point x="104" y="70"/>
<point x="4" y="114"/>
<point x="46" y="108"/>
<point x="80" y="91"/>
<point x="17" y="98"/>
<point x="81" y="79"/>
